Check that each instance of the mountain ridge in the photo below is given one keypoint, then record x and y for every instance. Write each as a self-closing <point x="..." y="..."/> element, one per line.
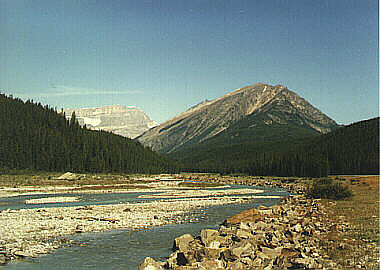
<point x="206" y="120"/>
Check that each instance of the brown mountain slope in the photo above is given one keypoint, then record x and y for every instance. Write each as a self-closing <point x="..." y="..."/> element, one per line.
<point x="206" y="120"/>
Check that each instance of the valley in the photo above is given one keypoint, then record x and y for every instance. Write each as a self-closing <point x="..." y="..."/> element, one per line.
<point x="189" y="135"/>
<point x="258" y="173"/>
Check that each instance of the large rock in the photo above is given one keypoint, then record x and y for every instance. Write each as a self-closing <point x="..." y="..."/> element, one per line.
<point x="250" y="215"/>
<point x="3" y="259"/>
<point x="272" y="252"/>
<point x="209" y="236"/>
<point x="211" y="264"/>
<point x="150" y="264"/>
<point x="70" y="176"/>
<point x="244" y="249"/>
<point x="182" y="243"/>
<point x="176" y="259"/>
<point x="243" y="234"/>
<point x="236" y="265"/>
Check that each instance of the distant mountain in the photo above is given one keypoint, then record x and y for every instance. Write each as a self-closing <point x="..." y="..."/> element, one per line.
<point x="126" y="121"/>
<point x="251" y="114"/>
<point x="36" y="137"/>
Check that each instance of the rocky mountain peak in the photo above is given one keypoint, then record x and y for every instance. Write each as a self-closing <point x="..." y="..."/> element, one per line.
<point x="127" y="121"/>
<point x="209" y="118"/>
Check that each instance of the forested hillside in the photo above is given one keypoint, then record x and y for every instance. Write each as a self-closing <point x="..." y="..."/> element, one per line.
<point x="353" y="149"/>
<point x="36" y="137"/>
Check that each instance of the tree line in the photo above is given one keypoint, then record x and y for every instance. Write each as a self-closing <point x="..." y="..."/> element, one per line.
<point x="37" y="137"/>
<point x="352" y="149"/>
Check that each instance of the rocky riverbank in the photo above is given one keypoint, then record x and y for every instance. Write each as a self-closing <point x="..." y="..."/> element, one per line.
<point x="34" y="232"/>
<point x="285" y="236"/>
<point x="292" y="184"/>
<point x="300" y="233"/>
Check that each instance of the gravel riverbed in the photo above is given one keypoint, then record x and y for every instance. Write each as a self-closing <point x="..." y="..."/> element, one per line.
<point x="34" y="232"/>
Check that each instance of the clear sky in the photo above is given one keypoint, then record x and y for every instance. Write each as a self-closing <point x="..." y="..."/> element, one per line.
<point x="164" y="56"/>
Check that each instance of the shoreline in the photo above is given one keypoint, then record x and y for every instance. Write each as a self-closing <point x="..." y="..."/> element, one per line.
<point x="299" y="233"/>
<point x="38" y="231"/>
<point x="6" y="192"/>
<point x="279" y="237"/>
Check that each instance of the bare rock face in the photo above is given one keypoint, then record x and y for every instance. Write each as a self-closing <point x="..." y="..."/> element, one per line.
<point x="126" y="121"/>
<point x="210" y="118"/>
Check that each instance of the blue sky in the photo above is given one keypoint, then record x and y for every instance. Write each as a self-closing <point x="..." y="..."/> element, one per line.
<point x="165" y="56"/>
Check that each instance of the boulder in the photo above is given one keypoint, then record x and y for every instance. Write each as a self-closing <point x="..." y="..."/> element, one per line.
<point x="244" y="249"/>
<point x="297" y="228"/>
<point x="271" y="252"/>
<point x="208" y="236"/>
<point x="243" y="234"/>
<point x="70" y="176"/>
<point x="250" y="215"/>
<point x="213" y="253"/>
<point x="211" y="264"/>
<point x="150" y="264"/>
<point x="181" y="243"/>
<point x="214" y="244"/>
<point x="236" y="265"/>
<point x="3" y="259"/>
<point x="171" y="262"/>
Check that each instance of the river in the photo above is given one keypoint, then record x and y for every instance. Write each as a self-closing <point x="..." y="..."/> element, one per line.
<point x="125" y="249"/>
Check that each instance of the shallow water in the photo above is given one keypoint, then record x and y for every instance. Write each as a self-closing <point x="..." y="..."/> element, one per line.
<point x="125" y="249"/>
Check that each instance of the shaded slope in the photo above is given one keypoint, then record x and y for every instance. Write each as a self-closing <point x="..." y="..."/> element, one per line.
<point x="352" y="149"/>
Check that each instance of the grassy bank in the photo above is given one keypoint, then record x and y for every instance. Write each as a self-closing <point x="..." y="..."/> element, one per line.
<point x="357" y="242"/>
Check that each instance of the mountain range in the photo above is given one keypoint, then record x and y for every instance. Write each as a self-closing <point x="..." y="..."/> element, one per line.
<point x="127" y="121"/>
<point x="255" y="130"/>
<point x="253" y="114"/>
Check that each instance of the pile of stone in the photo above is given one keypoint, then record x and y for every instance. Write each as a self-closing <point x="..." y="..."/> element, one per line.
<point x="293" y="185"/>
<point x="285" y="236"/>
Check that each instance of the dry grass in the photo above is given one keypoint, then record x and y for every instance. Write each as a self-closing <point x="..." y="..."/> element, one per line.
<point x="356" y="240"/>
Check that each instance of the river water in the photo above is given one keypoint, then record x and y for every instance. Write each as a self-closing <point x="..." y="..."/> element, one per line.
<point x="125" y="249"/>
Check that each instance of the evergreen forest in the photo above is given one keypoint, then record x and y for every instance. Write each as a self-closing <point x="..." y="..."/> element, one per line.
<point x="38" y="138"/>
<point x="352" y="149"/>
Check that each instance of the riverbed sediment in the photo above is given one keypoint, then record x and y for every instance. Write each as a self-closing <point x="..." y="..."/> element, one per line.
<point x="38" y="231"/>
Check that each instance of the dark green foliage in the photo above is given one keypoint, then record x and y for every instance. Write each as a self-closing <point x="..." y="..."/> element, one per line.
<point x="246" y="137"/>
<point x="353" y="149"/>
<point x="347" y="150"/>
<point x="36" y="137"/>
<point x="325" y="188"/>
